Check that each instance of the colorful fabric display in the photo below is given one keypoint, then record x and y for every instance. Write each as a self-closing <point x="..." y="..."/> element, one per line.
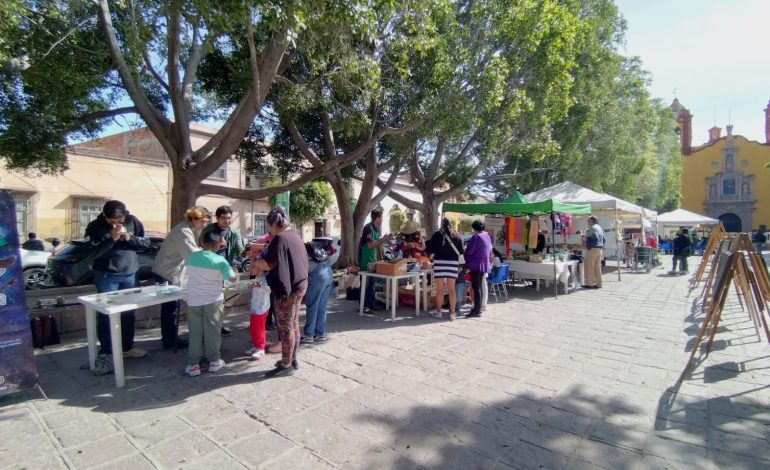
<point x="534" y="229"/>
<point x="517" y="230"/>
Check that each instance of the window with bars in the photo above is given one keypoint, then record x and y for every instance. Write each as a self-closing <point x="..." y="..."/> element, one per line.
<point x="87" y="210"/>
<point x="22" y="214"/>
<point x="220" y="173"/>
<point x="260" y="224"/>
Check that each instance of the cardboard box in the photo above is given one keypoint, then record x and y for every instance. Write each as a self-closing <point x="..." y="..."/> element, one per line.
<point x="391" y="269"/>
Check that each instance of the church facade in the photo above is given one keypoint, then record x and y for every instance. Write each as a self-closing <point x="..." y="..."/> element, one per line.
<point x="728" y="177"/>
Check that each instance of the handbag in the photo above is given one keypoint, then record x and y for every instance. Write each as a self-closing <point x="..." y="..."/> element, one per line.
<point x="460" y="258"/>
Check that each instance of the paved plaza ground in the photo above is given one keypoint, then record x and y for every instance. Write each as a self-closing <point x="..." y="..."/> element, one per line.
<point x="588" y="380"/>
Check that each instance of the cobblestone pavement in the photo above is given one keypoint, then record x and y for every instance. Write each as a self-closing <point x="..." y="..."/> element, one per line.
<point x="587" y="380"/>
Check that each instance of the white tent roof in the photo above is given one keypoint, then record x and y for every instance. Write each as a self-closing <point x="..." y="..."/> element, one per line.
<point x="571" y="193"/>
<point x="681" y="217"/>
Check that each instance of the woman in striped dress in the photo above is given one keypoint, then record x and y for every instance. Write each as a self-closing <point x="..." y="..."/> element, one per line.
<point x="446" y="246"/>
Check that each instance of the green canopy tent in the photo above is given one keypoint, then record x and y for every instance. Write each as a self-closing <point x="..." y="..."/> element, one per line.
<point x="548" y="206"/>
<point x="515" y="198"/>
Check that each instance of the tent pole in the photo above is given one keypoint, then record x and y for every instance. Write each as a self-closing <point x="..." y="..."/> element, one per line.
<point x="618" y="239"/>
<point x="553" y="254"/>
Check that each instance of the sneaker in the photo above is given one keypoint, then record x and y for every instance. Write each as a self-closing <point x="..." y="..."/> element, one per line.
<point x="193" y="371"/>
<point x="216" y="366"/>
<point x="180" y="344"/>
<point x="436" y="314"/>
<point x="294" y="364"/>
<point x="104" y="365"/>
<point x="135" y="353"/>
<point x="225" y="332"/>
<point x="306" y="340"/>
<point x="452" y="316"/>
<point x="251" y="351"/>
<point x="320" y="339"/>
<point x="280" y="371"/>
<point x="257" y="355"/>
<point x="473" y="315"/>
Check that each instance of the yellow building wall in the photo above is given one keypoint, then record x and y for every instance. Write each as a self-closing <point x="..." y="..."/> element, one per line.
<point x="707" y="161"/>
<point x="142" y="187"/>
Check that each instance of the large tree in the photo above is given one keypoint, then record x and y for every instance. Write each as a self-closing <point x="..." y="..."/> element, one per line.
<point x="143" y="57"/>
<point x="614" y="138"/>
<point x="511" y="78"/>
<point x="333" y="100"/>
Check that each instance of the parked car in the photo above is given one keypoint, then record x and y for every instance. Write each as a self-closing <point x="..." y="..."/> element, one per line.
<point x="65" y="268"/>
<point x="33" y="265"/>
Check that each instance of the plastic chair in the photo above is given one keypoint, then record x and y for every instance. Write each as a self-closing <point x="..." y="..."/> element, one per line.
<point x="498" y="280"/>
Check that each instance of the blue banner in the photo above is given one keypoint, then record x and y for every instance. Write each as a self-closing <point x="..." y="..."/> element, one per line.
<point x="17" y="357"/>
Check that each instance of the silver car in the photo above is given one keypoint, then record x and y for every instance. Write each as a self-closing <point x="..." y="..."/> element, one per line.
<point x="33" y="264"/>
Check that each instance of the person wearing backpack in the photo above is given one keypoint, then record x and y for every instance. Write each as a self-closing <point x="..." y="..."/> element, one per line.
<point x="319" y="288"/>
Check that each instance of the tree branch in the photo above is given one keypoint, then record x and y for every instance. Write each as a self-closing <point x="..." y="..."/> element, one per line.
<point x="304" y="148"/>
<point x="151" y="115"/>
<point x="329" y="146"/>
<point x="414" y="205"/>
<point x="105" y="114"/>
<point x="181" y="124"/>
<point x="437" y="154"/>
<point x="385" y="190"/>
<point x="253" y="56"/>
<point x="230" y="135"/>
<point x="416" y="171"/>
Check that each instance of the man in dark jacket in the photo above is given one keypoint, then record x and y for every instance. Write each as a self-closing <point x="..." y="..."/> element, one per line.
<point x="115" y="236"/>
<point x="33" y="243"/>
<point x="682" y="249"/>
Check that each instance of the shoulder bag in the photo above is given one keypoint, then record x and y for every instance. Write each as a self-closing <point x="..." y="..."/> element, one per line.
<point x="460" y="258"/>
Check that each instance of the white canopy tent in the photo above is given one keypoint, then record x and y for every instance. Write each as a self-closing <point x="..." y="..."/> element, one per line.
<point x="601" y="204"/>
<point x="684" y="218"/>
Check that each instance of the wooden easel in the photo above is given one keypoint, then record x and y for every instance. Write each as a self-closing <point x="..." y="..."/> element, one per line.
<point x="716" y="236"/>
<point x="748" y="273"/>
<point x="724" y="245"/>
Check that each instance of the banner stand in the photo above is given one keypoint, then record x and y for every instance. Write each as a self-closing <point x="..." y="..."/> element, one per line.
<point x="17" y="356"/>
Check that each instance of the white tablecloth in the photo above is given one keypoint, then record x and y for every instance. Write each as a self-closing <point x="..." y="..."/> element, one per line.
<point x="544" y="270"/>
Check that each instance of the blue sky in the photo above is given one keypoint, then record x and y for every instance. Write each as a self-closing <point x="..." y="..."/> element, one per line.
<point x="711" y="52"/>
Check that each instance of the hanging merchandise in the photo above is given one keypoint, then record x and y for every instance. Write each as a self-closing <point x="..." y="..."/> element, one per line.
<point x="517" y="230"/>
<point x="534" y="229"/>
<point x="558" y="227"/>
<point x="567" y="219"/>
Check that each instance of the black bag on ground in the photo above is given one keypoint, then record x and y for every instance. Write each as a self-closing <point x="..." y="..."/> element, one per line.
<point x="45" y="331"/>
<point x="353" y="293"/>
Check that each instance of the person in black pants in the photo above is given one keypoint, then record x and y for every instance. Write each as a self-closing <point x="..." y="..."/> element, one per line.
<point x="682" y="249"/>
<point x="180" y="242"/>
<point x="114" y="237"/>
<point x="477" y="255"/>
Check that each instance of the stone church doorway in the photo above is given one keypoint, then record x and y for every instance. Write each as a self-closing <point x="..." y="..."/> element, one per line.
<point x="731" y="222"/>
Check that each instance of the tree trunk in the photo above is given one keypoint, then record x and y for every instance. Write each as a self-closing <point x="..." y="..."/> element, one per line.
<point x="182" y="195"/>
<point x="347" y="232"/>
<point x="430" y="213"/>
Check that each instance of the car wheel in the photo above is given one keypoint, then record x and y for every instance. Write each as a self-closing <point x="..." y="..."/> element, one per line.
<point x="34" y="278"/>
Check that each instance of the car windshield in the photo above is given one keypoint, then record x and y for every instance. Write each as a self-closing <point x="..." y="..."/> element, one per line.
<point x="72" y="248"/>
